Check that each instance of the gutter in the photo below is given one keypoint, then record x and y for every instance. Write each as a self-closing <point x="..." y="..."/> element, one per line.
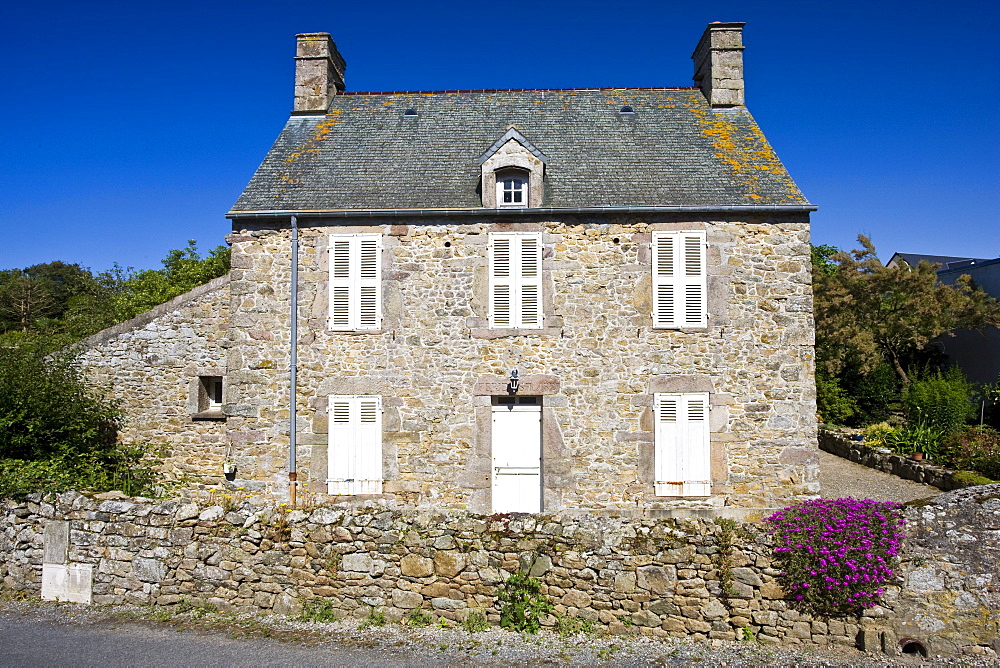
<point x="514" y="212"/>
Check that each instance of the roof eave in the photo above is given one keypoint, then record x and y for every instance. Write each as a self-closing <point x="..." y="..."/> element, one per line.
<point x="414" y="213"/>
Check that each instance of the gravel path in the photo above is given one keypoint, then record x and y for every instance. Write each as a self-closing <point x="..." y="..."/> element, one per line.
<point x="839" y="477"/>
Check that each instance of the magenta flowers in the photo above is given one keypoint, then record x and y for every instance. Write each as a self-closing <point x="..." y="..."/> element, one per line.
<point x="836" y="555"/>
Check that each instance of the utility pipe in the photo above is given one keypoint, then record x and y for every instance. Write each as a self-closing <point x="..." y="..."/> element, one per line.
<point x="293" y="364"/>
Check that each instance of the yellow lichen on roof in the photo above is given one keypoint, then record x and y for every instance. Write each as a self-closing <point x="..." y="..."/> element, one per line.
<point x="744" y="150"/>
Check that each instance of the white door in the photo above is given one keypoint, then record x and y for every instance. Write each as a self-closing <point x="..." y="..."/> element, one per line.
<point x="517" y="455"/>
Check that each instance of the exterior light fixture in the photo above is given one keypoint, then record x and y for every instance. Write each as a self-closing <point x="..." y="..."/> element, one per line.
<point x="514" y="383"/>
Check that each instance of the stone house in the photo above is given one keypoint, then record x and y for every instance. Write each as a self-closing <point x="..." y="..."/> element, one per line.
<point x="500" y="300"/>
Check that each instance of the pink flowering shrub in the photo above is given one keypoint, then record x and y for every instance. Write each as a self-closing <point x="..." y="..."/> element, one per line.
<point x="836" y="555"/>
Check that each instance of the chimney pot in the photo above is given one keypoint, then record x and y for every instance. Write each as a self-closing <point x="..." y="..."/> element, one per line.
<point x="319" y="73"/>
<point x="718" y="64"/>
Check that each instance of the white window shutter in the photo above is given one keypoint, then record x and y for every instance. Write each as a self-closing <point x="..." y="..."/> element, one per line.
<point x="354" y="458"/>
<point x="682" y="445"/>
<point x="530" y="270"/>
<point x="680" y="294"/>
<point x="515" y="267"/>
<point x="355" y="281"/>
<point x="501" y="280"/>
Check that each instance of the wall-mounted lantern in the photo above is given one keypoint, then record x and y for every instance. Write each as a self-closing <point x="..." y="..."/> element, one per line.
<point x="514" y="383"/>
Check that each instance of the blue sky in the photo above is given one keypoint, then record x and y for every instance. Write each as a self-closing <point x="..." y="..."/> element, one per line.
<point x="127" y="128"/>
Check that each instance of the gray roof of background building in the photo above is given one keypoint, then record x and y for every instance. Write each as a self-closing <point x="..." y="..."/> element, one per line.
<point x="674" y="150"/>
<point x="946" y="261"/>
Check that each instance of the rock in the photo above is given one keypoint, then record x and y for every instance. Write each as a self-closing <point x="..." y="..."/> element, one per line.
<point x="356" y="563"/>
<point x="211" y="513"/>
<point x="747" y="576"/>
<point x="541" y="566"/>
<point x="657" y="579"/>
<point x="115" y="507"/>
<point x="149" y="570"/>
<point x="625" y="583"/>
<point x="646" y="618"/>
<point x="442" y="603"/>
<point x="285" y="604"/>
<point x="576" y="599"/>
<point x="406" y="599"/>
<point x="714" y="610"/>
<point x="772" y="590"/>
<point x="449" y="563"/>
<point x="326" y="516"/>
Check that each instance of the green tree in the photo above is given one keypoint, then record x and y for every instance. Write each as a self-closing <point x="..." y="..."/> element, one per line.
<point x="867" y="312"/>
<point x="135" y="292"/>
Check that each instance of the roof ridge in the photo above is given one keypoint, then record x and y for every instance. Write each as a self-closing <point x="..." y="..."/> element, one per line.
<point x="512" y="90"/>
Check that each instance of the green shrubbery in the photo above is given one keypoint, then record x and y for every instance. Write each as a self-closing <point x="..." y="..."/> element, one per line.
<point x="973" y="449"/>
<point x="56" y="435"/>
<point x="940" y="400"/>
<point x="522" y="604"/>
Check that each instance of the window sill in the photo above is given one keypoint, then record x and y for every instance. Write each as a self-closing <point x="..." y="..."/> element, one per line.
<point x="487" y="333"/>
<point x="214" y="415"/>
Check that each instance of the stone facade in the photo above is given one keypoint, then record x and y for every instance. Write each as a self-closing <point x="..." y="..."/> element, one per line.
<point x="597" y="359"/>
<point x="669" y="577"/>
<point x="152" y="365"/>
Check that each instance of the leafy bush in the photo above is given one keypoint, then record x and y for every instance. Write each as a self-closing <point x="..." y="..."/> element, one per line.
<point x="475" y="621"/>
<point x="974" y="449"/>
<point x="46" y="409"/>
<point x="877" y="434"/>
<point x="521" y="603"/>
<point x="915" y="438"/>
<point x="833" y="403"/>
<point x="55" y="435"/>
<point x="318" y="610"/>
<point x="941" y="400"/>
<point x="836" y="555"/>
<point x="874" y="393"/>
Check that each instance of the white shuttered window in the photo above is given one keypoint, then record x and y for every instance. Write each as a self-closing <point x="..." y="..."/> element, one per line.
<point x="355" y="281"/>
<point x="681" y="442"/>
<point x="516" y="280"/>
<point x="354" y="458"/>
<point x="679" y="280"/>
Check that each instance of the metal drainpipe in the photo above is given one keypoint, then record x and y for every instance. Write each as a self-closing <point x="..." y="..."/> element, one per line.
<point x="293" y="368"/>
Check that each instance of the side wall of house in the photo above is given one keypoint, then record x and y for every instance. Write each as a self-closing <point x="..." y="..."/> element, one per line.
<point x="153" y="363"/>
<point x="596" y="363"/>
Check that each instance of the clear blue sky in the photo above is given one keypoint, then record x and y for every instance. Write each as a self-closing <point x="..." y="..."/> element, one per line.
<point x="130" y="127"/>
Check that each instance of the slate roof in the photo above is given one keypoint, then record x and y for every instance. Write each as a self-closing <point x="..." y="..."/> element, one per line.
<point x="946" y="261"/>
<point x="674" y="150"/>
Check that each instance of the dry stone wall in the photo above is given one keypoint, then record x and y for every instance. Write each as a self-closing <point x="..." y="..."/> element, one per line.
<point x="671" y="577"/>
<point x="596" y="362"/>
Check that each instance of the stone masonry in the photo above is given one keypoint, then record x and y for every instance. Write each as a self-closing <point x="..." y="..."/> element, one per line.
<point x="596" y="362"/>
<point x="669" y="577"/>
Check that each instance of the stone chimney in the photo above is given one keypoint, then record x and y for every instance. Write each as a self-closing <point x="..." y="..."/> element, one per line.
<point x="718" y="64"/>
<point x="319" y="73"/>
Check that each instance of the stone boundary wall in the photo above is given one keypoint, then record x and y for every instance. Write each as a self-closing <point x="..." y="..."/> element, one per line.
<point x="668" y="577"/>
<point x="884" y="460"/>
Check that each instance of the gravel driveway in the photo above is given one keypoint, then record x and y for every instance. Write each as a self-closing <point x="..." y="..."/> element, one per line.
<point x="839" y="477"/>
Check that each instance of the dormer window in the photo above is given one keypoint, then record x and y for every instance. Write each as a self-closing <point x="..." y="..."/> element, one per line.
<point x="512" y="188"/>
<point x="513" y="173"/>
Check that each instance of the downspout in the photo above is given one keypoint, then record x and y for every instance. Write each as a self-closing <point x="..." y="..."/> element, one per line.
<point x="293" y="362"/>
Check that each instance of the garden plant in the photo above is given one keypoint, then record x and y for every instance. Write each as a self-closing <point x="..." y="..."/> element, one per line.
<point x="837" y="555"/>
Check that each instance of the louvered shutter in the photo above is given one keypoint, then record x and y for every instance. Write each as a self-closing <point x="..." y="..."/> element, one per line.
<point x="354" y="457"/>
<point x="682" y="445"/>
<point x="530" y="284"/>
<point x="679" y="280"/>
<point x="516" y="280"/>
<point x="355" y="281"/>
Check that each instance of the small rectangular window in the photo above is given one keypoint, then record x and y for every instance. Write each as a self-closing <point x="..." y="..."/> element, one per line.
<point x="211" y="396"/>
<point x="354" y="455"/>
<point x="355" y="281"/>
<point x="515" y="266"/>
<point x="679" y="280"/>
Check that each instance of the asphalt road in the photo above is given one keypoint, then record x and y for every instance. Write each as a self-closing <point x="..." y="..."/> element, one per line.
<point x="28" y="641"/>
